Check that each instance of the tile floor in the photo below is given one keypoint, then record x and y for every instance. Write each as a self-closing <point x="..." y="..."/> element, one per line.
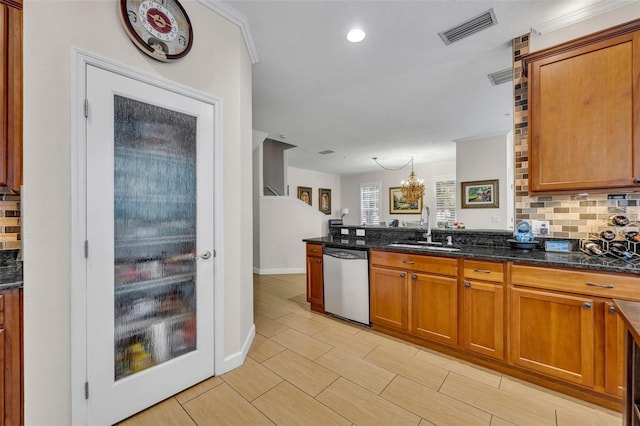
<point x="311" y="369"/>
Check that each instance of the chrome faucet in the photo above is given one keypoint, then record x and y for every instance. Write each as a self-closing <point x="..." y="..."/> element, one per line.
<point x="427" y="234"/>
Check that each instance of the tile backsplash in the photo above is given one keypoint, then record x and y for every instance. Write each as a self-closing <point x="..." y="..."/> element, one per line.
<point x="569" y="216"/>
<point x="10" y="224"/>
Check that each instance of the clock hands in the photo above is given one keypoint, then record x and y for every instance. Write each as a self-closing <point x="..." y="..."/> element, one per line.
<point x="159" y="21"/>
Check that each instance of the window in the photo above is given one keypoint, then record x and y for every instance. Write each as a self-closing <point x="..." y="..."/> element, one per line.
<point x="445" y="201"/>
<point x="370" y="203"/>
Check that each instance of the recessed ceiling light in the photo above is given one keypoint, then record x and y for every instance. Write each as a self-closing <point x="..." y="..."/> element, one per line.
<point x="356" y="35"/>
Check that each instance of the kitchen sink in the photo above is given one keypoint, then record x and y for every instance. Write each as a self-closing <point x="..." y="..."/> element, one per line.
<point x="422" y="246"/>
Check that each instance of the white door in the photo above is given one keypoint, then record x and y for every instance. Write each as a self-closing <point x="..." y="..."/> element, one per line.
<point x="150" y="244"/>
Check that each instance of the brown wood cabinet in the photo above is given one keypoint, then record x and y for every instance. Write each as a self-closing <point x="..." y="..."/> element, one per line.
<point x="482" y="311"/>
<point x="11" y="95"/>
<point x="389" y="293"/>
<point x="553" y="333"/>
<point x="584" y="103"/>
<point x="416" y="294"/>
<point x="614" y="336"/>
<point x="315" y="281"/>
<point x="11" y="409"/>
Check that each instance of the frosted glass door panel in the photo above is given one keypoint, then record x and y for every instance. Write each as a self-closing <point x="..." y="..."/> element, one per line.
<point x="155" y="235"/>
<point x="150" y="191"/>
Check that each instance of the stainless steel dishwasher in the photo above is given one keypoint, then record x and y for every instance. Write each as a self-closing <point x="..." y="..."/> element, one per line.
<point x="346" y="283"/>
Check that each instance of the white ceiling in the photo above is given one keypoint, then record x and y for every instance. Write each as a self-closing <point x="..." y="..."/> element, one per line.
<point x="400" y="93"/>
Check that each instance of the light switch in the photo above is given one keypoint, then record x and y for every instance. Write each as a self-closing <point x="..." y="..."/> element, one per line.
<point x="344" y="231"/>
<point x="359" y="232"/>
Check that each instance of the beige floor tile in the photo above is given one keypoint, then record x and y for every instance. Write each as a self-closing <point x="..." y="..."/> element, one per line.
<point x="198" y="389"/>
<point x="301" y="372"/>
<point x="251" y="379"/>
<point x="497" y="421"/>
<point x="263" y="348"/>
<point x="287" y="405"/>
<point x="515" y="408"/>
<point x="424" y="422"/>
<point x="405" y="364"/>
<point x="389" y="342"/>
<point x="587" y="417"/>
<point x="224" y="406"/>
<point x="433" y="406"/>
<point x="167" y="412"/>
<point x="484" y="375"/>
<point x="357" y="370"/>
<point x="302" y="324"/>
<point x="337" y="323"/>
<point x="300" y="299"/>
<point x="268" y="327"/>
<point x="268" y="310"/>
<point x="363" y="407"/>
<point x="301" y="343"/>
<point x="345" y="341"/>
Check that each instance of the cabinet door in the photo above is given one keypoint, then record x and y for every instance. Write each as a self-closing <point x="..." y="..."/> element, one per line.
<point x="315" y="294"/>
<point x="483" y="318"/>
<point x="614" y="336"/>
<point x="11" y="97"/>
<point x="435" y="307"/>
<point x="586" y="121"/>
<point x="553" y="333"/>
<point x="389" y="298"/>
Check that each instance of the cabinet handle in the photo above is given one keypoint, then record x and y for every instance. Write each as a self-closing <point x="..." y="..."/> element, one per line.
<point x="636" y="180"/>
<point x="402" y="275"/>
<point x="613" y="310"/>
<point x="467" y="285"/>
<point x="318" y="261"/>
<point x="415" y="277"/>
<point x="600" y="285"/>
<point x="587" y="305"/>
<point x="482" y="271"/>
<point x="408" y="262"/>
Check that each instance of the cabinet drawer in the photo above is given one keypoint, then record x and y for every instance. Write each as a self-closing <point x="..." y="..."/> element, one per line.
<point x="415" y="262"/>
<point x="314" y="250"/>
<point x="484" y="271"/>
<point x="574" y="281"/>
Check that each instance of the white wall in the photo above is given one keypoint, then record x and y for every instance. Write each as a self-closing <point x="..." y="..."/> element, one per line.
<point x="601" y="22"/>
<point x="350" y="191"/>
<point x="284" y="222"/>
<point x="484" y="159"/>
<point x="218" y="64"/>
<point x="315" y="180"/>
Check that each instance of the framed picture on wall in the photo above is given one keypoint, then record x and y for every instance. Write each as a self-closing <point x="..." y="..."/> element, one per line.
<point x="479" y="194"/>
<point x="398" y="205"/>
<point x="324" y="200"/>
<point x="304" y="193"/>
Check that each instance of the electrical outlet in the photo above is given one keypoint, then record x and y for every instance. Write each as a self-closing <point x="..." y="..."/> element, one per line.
<point x="344" y="231"/>
<point x="540" y="227"/>
<point x="359" y="232"/>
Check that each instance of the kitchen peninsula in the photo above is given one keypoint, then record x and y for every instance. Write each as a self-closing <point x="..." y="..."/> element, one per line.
<point x="544" y="317"/>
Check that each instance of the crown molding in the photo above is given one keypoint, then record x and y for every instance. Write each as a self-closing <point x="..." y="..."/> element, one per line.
<point x="584" y="13"/>
<point x="237" y="18"/>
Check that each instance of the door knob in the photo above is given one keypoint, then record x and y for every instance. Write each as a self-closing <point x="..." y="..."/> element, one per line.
<point x="204" y="255"/>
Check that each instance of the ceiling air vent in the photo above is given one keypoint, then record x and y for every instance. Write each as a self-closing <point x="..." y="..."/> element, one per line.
<point x="500" y="77"/>
<point x="326" y="151"/>
<point x="472" y="26"/>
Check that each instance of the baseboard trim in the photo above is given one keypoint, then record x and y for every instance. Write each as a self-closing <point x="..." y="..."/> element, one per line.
<point x="278" y="271"/>
<point x="237" y="359"/>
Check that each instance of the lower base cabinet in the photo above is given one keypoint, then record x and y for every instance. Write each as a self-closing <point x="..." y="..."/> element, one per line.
<point x="553" y="333"/>
<point x="11" y="406"/>
<point x="483" y="318"/>
<point x="435" y="308"/>
<point x="614" y="337"/>
<point x="389" y="298"/>
<point x="315" y="277"/>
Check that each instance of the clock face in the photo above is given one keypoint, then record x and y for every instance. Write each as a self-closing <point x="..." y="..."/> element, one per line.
<point x="160" y="28"/>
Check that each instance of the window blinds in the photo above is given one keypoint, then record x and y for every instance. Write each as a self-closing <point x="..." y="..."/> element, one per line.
<point x="445" y="201"/>
<point x="370" y="203"/>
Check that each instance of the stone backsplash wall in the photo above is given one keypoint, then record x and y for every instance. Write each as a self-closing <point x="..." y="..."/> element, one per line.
<point x="569" y="216"/>
<point x="10" y="224"/>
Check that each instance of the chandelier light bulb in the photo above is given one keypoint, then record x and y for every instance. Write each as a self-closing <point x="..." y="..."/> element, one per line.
<point x="356" y="35"/>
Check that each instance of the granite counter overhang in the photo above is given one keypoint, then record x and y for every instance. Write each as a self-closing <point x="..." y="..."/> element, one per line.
<point x="576" y="260"/>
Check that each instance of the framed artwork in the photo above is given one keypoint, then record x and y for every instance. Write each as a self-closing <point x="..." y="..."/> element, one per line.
<point x="304" y="193"/>
<point x="480" y="194"/>
<point x="324" y="200"/>
<point x="398" y="205"/>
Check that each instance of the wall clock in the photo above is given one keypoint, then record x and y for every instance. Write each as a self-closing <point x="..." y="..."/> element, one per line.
<point x="160" y="28"/>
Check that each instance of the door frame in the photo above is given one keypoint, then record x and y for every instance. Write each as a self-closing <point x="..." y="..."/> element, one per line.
<point x="78" y="297"/>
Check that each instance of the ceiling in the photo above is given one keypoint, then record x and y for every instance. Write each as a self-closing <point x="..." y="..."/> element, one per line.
<point x="399" y="93"/>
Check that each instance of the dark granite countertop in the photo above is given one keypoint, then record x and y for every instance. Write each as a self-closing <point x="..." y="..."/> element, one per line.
<point x="574" y="259"/>
<point x="10" y="270"/>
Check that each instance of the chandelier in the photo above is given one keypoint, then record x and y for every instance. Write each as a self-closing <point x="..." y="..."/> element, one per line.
<point x="412" y="188"/>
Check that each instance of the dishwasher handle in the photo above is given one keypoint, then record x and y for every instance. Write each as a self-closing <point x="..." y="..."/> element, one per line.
<point x="345" y="254"/>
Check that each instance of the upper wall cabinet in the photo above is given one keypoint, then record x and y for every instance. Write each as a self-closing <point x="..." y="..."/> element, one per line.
<point x="11" y="95"/>
<point x="584" y="113"/>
